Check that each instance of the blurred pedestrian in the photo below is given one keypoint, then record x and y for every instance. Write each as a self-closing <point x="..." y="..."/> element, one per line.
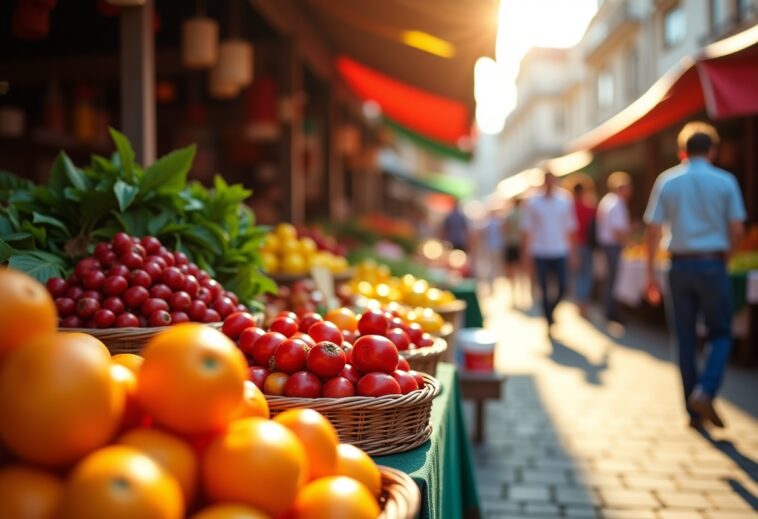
<point x="548" y="224"/>
<point x="515" y="275"/>
<point x="455" y="228"/>
<point x="584" y="207"/>
<point x="613" y="228"/>
<point x="493" y="243"/>
<point x="703" y="207"/>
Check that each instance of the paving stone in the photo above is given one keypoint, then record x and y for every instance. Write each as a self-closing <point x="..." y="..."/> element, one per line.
<point x="723" y="514"/>
<point x="545" y="477"/>
<point x="681" y="499"/>
<point x="502" y="507"/>
<point x="628" y="499"/>
<point x="642" y="482"/>
<point x="702" y="484"/>
<point x="679" y="514"/>
<point x="580" y="512"/>
<point x="727" y="501"/>
<point x="620" y="513"/>
<point x="541" y="509"/>
<point x="528" y="493"/>
<point x="575" y="495"/>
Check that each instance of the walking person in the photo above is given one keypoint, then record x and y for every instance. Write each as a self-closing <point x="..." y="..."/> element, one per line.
<point x="613" y="228"/>
<point x="584" y="208"/>
<point x="455" y="228"/>
<point x="703" y="207"/>
<point x="493" y="242"/>
<point x="548" y="224"/>
<point x="512" y="252"/>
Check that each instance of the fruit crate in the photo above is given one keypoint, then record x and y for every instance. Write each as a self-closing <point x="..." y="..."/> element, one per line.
<point x="400" y="498"/>
<point x="379" y="425"/>
<point x="426" y="359"/>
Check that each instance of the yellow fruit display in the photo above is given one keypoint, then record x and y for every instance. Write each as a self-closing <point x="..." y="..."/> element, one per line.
<point x="284" y="253"/>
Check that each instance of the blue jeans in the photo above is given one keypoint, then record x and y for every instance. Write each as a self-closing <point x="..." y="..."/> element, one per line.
<point x="551" y="272"/>
<point x="612" y="254"/>
<point x="583" y="275"/>
<point x="701" y="286"/>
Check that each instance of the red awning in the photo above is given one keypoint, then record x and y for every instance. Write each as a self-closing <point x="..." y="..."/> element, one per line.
<point x="439" y="118"/>
<point x="722" y="81"/>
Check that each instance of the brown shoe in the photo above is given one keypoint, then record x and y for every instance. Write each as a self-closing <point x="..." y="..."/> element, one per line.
<point x="697" y="424"/>
<point x="703" y="405"/>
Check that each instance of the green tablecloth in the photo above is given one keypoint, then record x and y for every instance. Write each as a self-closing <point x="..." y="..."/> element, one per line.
<point x="466" y="290"/>
<point x="442" y="467"/>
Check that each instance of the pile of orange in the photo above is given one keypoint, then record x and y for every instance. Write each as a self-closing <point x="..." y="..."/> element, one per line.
<point x="177" y="432"/>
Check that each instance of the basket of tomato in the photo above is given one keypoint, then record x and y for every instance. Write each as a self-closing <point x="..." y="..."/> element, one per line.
<point x="364" y="386"/>
<point x="426" y="358"/>
<point x="133" y="288"/>
<point x="400" y="496"/>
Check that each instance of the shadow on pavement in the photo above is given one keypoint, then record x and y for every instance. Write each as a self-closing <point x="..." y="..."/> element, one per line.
<point x="565" y="356"/>
<point x="746" y="464"/>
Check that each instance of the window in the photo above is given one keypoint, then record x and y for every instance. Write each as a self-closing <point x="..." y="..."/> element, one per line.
<point x="605" y="89"/>
<point x="631" y="71"/>
<point x="674" y="26"/>
<point x="744" y="10"/>
<point x="717" y="16"/>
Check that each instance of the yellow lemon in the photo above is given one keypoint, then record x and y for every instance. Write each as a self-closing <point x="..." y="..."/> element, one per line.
<point x="308" y="247"/>
<point x="271" y="244"/>
<point x="433" y="296"/>
<point x="270" y="261"/>
<point x="446" y="297"/>
<point x="289" y="246"/>
<point x="293" y="264"/>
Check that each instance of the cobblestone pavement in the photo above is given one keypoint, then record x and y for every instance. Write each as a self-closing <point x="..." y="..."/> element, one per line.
<point x="592" y="426"/>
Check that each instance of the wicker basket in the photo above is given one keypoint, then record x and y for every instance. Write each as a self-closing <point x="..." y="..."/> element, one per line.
<point x="400" y="498"/>
<point x="382" y="425"/>
<point x="126" y="340"/>
<point x="426" y="359"/>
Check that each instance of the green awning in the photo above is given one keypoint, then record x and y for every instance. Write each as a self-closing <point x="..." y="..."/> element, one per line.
<point x="457" y="187"/>
<point x="426" y="143"/>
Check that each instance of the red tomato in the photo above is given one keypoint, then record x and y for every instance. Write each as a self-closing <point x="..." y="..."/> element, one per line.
<point x="373" y="322"/>
<point x="307" y="339"/>
<point x="349" y="336"/>
<point x="274" y="383"/>
<point x="284" y="325"/>
<point x="257" y="375"/>
<point x="397" y="322"/>
<point x="303" y="384"/>
<point x="347" y="347"/>
<point x="326" y="360"/>
<point x="248" y="337"/>
<point x="264" y="348"/>
<point x="349" y="372"/>
<point x="399" y="338"/>
<point x="414" y="331"/>
<point x="375" y="353"/>
<point x="403" y="364"/>
<point x="406" y="380"/>
<point x="337" y="387"/>
<point x="287" y="313"/>
<point x="425" y="340"/>
<point x="309" y="319"/>
<point x="325" y="331"/>
<point x="290" y="356"/>
<point x="235" y="323"/>
<point x="418" y="377"/>
<point x="378" y="384"/>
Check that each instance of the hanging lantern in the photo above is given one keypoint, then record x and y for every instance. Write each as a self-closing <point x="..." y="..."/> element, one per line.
<point x="12" y="121"/>
<point x="349" y="139"/>
<point x="126" y="3"/>
<point x="199" y="42"/>
<point x="235" y="62"/>
<point x="219" y="88"/>
<point x="262" y="110"/>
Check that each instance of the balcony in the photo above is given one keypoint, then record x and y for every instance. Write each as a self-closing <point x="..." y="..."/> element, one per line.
<point x="623" y="19"/>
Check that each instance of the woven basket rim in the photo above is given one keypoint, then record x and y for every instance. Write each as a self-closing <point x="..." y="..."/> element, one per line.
<point x="403" y="498"/>
<point x="430" y="390"/>
<point x="439" y="347"/>
<point x="453" y="306"/>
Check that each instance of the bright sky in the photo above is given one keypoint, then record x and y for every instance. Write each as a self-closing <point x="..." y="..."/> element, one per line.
<point x="523" y="24"/>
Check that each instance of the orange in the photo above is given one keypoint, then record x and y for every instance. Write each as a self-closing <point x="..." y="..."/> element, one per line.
<point x="128" y="360"/>
<point x="336" y="497"/>
<point x="120" y="482"/>
<point x="354" y="463"/>
<point x="255" y="462"/>
<point x="274" y="383"/>
<point x="27" y="310"/>
<point x="285" y="231"/>
<point x="133" y="412"/>
<point x="344" y="318"/>
<point x="254" y="404"/>
<point x="317" y="435"/>
<point x="192" y="378"/>
<point x="57" y="399"/>
<point x="230" y="512"/>
<point x="173" y="454"/>
<point x="29" y="493"/>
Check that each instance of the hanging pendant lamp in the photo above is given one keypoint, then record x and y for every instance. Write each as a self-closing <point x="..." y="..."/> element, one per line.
<point x="235" y="62"/>
<point x="199" y="42"/>
<point x="219" y="88"/>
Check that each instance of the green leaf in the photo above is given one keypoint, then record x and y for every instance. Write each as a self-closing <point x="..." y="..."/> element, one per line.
<point x="135" y="221"/>
<point x="39" y="233"/>
<point x="156" y="224"/>
<point x="95" y="205"/>
<point x="16" y="236"/>
<point x="205" y="238"/>
<point x="49" y="220"/>
<point x="10" y="183"/>
<point x="5" y="251"/>
<point x="169" y="173"/>
<point x="77" y="178"/>
<point x="125" y="194"/>
<point x="40" y="265"/>
<point x="125" y="153"/>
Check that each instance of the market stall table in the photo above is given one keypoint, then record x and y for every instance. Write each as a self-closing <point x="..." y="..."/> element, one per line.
<point x="466" y="290"/>
<point x="443" y="466"/>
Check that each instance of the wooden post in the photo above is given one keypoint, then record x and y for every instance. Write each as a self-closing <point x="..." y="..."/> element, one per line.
<point x="138" y="80"/>
<point x="292" y="138"/>
<point x="335" y="171"/>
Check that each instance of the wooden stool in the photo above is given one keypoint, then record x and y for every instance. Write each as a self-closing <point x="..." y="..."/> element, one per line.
<point x="480" y="387"/>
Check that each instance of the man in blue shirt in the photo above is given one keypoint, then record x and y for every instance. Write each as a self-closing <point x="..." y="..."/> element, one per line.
<point x="702" y="205"/>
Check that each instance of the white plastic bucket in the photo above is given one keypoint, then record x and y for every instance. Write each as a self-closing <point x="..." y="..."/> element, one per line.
<point x="478" y="348"/>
